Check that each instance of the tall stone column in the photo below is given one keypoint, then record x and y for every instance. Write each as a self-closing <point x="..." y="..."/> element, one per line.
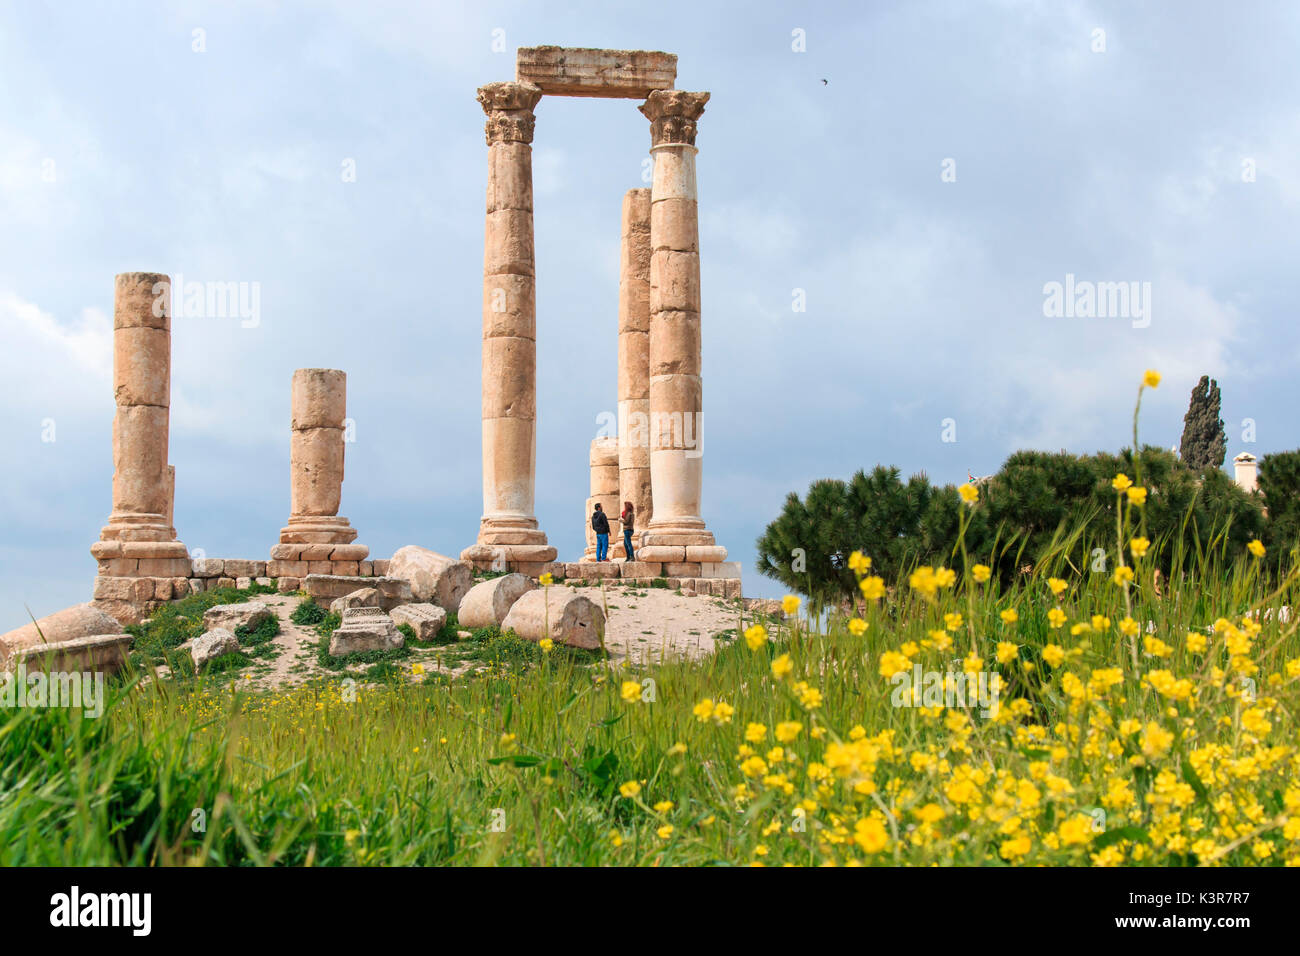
<point x="508" y="531"/>
<point x="141" y="563"/>
<point x="634" y="359"/>
<point x="316" y="540"/>
<point x="676" y="531"/>
<point x="139" y="539"/>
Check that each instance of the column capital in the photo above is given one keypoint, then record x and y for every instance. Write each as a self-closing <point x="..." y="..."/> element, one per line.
<point x="673" y="115"/>
<point x="509" y="109"/>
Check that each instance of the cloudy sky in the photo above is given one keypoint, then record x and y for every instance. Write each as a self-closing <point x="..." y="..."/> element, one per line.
<point x="916" y="173"/>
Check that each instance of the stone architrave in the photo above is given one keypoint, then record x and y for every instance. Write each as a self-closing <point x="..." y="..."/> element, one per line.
<point x="316" y="539"/>
<point x="634" y="360"/>
<point x="578" y="71"/>
<point x="676" y="393"/>
<point x="139" y="541"/>
<point x="508" y="531"/>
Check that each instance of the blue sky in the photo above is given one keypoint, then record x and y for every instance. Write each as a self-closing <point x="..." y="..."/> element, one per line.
<point x="121" y="148"/>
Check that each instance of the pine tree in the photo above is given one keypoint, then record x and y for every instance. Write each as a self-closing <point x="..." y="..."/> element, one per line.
<point x="1204" y="443"/>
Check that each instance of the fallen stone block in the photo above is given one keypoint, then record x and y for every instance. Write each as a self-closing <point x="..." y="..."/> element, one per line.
<point x="212" y="644"/>
<point x="80" y="620"/>
<point x="432" y="576"/>
<point x="425" y="619"/>
<point x="557" y="613"/>
<point x="365" y="629"/>
<point x="487" y="603"/>
<point x="361" y="597"/>
<point x="232" y="616"/>
<point x="325" y="588"/>
<point x="104" y="653"/>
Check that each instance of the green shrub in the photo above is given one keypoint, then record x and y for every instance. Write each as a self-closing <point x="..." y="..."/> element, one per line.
<point x="1057" y="507"/>
<point x="308" y="613"/>
<point x="1279" y="486"/>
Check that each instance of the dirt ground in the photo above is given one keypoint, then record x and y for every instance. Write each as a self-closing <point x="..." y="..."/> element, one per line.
<point x="644" y="625"/>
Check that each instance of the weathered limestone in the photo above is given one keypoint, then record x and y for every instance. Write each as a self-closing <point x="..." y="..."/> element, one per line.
<point x="676" y="466"/>
<point x="139" y="541"/>
<point x="426" y="620"/>
<point x="232" y="616"/>
<point x="365" y="629"/>
<point x="634" y="360"/>
<point x="508" y="532"/>
<point x="361" y="597"/>
<point x="93" y="652"/>
<point x="432" y="576"/>
<point x="72" y="623"/>
<point x="324" y="589"/>
<point x="317" y="540"/>
<point x="568" y="71"/>
<point x="604" y="488"/>
<point x="213" y="643"/>
<point x="488" y="602"/>
<point x="559" y="614"/>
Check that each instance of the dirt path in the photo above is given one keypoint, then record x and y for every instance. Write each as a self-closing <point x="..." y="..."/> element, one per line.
<point x="296" y="643"/>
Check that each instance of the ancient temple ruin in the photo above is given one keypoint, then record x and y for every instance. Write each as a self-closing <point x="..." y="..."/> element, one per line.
<point x="660" y="399"/>
<point x="655" y="461"/>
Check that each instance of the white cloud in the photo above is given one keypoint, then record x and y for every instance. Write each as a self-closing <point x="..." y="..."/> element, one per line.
<point x="80" y="352"/>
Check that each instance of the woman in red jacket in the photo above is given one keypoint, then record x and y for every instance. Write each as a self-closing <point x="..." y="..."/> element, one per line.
<point x="628" y="517"/>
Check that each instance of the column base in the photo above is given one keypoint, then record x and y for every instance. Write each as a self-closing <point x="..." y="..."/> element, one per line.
<point x="140" y="545"/>
<point x="300" y="560"/>
<point x="318" y="529"/>
<point x="680" y="541"/>
<point x="508" y="557"/>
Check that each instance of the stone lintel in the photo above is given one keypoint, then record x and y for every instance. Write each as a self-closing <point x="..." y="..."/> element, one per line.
<point x="620" y="74"/>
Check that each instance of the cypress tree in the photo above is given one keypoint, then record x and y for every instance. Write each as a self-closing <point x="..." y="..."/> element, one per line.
<point x="1204" y="443"/>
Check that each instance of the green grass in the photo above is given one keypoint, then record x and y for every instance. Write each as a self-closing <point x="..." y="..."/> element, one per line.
<point x="415" y="773"/>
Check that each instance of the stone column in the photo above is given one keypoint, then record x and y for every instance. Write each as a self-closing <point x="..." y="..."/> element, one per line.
<point x="139" y="540"/>
<point x="508" y="531"/>
<point x="676" y="531"/>
<point x="316" y="540"/>
<point x="634" y="359"/>
<point x="604" y="491"/>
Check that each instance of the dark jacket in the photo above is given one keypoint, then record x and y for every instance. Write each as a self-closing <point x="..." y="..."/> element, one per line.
<point x="599" y="523"/>
<point x="629" y="520"/>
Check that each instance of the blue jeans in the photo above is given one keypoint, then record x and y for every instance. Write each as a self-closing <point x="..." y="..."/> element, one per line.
<point x="627" y="546"/>
<point x="602" y="547"/>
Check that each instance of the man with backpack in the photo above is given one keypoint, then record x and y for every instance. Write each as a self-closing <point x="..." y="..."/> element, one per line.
<point x="600" y="525"/>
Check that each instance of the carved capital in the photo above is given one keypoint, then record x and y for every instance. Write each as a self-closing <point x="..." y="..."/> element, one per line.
<point x="673" y="115"/>
<point x="509" y="109"/>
